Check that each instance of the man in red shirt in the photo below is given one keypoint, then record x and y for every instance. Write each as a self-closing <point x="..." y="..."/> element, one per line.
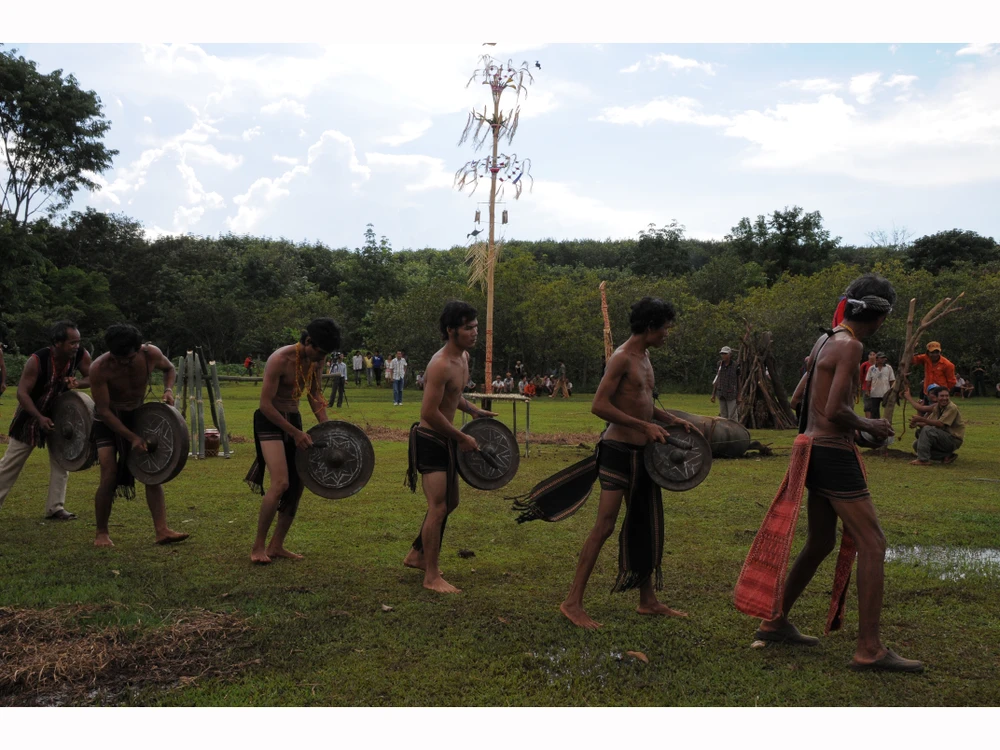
<point x="866" y="387"/>
<point x="937" y="369"/>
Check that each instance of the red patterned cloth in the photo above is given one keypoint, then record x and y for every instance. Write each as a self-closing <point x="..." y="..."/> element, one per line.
<point x="761" y="583"/>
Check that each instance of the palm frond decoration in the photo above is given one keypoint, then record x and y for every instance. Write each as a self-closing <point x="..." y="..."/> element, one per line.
<point x="478" y="259"/>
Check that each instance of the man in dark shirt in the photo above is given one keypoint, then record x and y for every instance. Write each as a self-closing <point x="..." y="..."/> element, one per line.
<point x="727" y="385"/>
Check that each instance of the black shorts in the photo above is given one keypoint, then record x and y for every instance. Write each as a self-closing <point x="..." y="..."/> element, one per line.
<point x="835" y="473"/>
<point x="614" y="464"/>
<point x="265" y="431"/>
<point x="432" y="456"/>
<point x="105" y="437"/>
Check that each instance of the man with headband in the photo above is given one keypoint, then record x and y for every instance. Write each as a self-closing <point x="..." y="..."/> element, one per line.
<point x="825" y="460"/>
<point x="290" y="372"/>
<point x="119" y="380"/>
<point x="434" y="440"/>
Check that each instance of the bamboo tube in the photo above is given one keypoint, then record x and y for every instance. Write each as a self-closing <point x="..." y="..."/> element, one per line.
<point x="181" y="362"/>
<point x="192" y="408"/>
<point x="200" y="434"/>
<point x="223" y="433"/>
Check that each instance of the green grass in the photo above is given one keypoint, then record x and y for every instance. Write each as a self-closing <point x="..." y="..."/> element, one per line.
<point x="323" y="638"/>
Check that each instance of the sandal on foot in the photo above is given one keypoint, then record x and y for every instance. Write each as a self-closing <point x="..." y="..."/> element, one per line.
<point x="62" y="515"/>
<point x="788" y="633"/>
<point x="891" y="662"/>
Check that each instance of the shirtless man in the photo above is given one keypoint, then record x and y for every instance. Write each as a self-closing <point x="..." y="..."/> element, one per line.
<point x="624" y="398"/>
<point x="835" y="478"/>
<point x="277" y="431"/>
<point x="434" y="440"/>
<point x="119" y="379"/>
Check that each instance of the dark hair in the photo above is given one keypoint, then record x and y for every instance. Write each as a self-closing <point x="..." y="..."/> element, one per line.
<point x="650" y="312"/>
<point x="455" y="314"/>
<point x="122" y="339"/>
<point x="324" y="334"/>
<point x="59" y="332"/>
<point x="869" y="297"/>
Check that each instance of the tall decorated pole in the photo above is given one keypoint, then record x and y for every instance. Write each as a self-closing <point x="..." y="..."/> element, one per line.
<point x="502" y="169"/>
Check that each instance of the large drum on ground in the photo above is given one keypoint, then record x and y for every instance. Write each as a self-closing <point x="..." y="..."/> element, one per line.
<point x="496" y="461"/>
<point x="167" y="443"/>
<point x="728" y="438"/>
<point x="340" y="461"/>
<point x="71" y="443"/>
<point x="682" y="462"/>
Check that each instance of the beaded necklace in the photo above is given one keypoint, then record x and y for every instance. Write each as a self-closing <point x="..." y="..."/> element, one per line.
<point x="304" y="380"/>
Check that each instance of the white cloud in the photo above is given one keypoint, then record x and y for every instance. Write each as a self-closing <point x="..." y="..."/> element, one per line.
<point x="302" y="133"/>
<point x="290" y="160"/>
<point x="195" y="192"/>
<point x="408" y="131"/>
<point x="186" y="217"/>
<point x="118" y="101"/>
<point x="285" y="106"/>
<point x="148" y="120"/>
<point x="674" y="62"/>
<point x="434" y="172"/>
<point x="980" y="48"/>
<point x="336" y="142"/>
<point x="563" y="210"/>
<point x="902" y="81"/>
<point x="254" y="204"/>
<point x="634" y="68"/>
<point x="815" y="85"/>
<point x="678" y="109"/>
<point x="893" y="48"/>
<point x="252" y="133"/>
<point x="863" y="86"/>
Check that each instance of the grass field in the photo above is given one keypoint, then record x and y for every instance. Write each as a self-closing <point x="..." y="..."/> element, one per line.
<point x="321" y="632"/>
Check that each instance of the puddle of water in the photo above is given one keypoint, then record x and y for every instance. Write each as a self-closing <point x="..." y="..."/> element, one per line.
<point x="949" y="563"/>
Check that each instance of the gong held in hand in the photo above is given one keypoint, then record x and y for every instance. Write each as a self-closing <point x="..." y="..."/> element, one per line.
<point x="682" y="462"/>
<point x="495" y="463"/>
<point x="70" y="442"/>
<point x="165" y="433"/>
<point x="340" y="461"/>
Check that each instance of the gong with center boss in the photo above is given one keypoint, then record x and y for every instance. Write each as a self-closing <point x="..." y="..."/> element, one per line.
<point x="340" y="461"/>
<point x="165" y="433"/>
<point x="680" y="463"/>
<point x="70" y="442"/>
<point x="496" y="462"/>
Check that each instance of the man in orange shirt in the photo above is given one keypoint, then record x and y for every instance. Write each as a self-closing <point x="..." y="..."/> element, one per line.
<point x="937" y="369"/>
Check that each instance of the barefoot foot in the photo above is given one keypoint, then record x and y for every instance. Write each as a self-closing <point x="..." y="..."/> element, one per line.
<point x="440" y="585"/>
<point x="259" y="557"/>
<point x="414" y="559"/>
<point x="103" y="540"/>
<point x="576" y="615"/>
<point x="282" y="552"/>
<point x="659" y="608"/>
<point x="170" y="536"/>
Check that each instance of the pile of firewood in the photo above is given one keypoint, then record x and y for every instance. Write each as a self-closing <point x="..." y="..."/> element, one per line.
<point x="763" y="401"/>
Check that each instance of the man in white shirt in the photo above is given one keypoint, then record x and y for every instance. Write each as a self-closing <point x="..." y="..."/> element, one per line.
<point x="339" y="372"/>
<point x="358" y="364"/>
<point x="881" y="379"/>
<point x="398" y="370"/>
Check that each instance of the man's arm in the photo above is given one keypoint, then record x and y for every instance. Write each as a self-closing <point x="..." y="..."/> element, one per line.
<point x="916" y="404"/>
<point x="602" y="407"/>
<point x="949" y="376"/>
<point x="84" y="368"/>
<point x="29" y="376"/>
<point x="160" y="362"/>
<point x="669" y="419"/>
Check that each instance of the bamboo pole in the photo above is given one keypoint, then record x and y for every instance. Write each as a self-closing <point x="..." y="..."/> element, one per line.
<point x="200" y="412"/>
<point x="609" y="345"/>
<point x="192" y="408"/>
<point x="223" y="433"/>
<point x="181" y="362"/>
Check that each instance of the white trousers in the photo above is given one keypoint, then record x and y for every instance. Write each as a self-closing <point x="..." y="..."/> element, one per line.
<point x="10" y="468"/>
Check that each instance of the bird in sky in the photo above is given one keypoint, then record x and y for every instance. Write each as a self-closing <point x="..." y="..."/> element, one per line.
<point x="538" y="65"/>
<point x="473" y="233"/>
<point x="489" y="44"/>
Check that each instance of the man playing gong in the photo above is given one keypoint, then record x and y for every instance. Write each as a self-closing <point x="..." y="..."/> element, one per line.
<point x="290" y="372"/>
<point x="624" y="399"/>
<point x="119" y="380"/>
<point x="434" y="440"/>
<point x="825" y="460"/>
<point x="47" y="373"/>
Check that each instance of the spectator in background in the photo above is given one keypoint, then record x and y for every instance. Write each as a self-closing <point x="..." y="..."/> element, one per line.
<point x="942" y="430"/>
<point x="866" y="385"/>
<point x="338" y="369"/>
<point x="369" y="364"/>
<point x="979" y="378"/>
<point x="358" y="364"/>
<point x="530" y="388"/>
<point x="248" y="365"/>
<point x="880" y="379"/>
<point x="420" y="380"/>
<point x="386" y="370"/>
<point x="521" y="384"/>
<point x="398" y="369"/>
<point x="377" y="365"/>
<point x="508" y="383"/>
<point x="547" y="385"/>
<point x="938" y="370"/>
<point x="726" y="385"/>
<point x="963" y="388"/>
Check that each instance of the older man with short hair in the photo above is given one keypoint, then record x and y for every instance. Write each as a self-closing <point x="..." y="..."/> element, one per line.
<point x="727" y="385"/>
<point x="942" y="430"/>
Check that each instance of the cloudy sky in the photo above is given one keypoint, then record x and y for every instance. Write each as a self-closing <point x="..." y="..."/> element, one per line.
<point x="312" y="142"/>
